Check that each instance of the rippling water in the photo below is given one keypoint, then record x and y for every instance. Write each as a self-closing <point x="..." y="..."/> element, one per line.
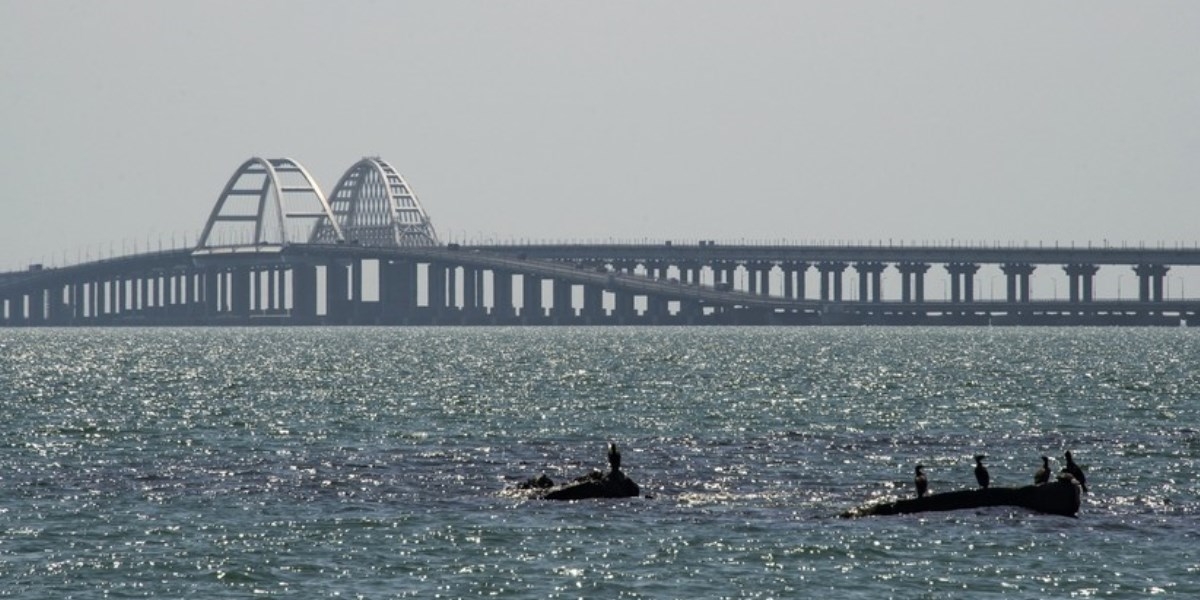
<point x="370" y="462"/>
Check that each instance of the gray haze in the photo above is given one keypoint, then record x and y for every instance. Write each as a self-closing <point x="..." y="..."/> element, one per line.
<point x="120" y="122"/>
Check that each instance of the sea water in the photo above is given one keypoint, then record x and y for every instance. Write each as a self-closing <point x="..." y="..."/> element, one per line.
<point x="372" y="462"/>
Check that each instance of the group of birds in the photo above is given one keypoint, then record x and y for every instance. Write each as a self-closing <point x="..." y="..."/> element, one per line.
<point x="985" y="479"/>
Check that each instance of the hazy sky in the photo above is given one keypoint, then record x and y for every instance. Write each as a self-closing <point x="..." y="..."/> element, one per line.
<point x="1012" y="121"/>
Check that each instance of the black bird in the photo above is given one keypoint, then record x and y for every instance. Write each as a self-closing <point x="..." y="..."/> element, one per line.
<point x="981" y="474"/>
<point x="614" y="457"/>
<point x="1043" y="474"/>
<point x="1075" y="471"/>
<point x="921" y="481"/>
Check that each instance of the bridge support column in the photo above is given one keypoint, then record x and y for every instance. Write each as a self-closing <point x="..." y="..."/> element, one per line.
<point x="1017" y="279"/>
<point x="689" y="273"/>
<point x="503" y="307"/>
<point x="751" y="278"/>
<point x="831" y="280"/>
<point x="435" y="282"/>
<point x="240" y="292"/>
<point x="793" y="279"/>
<point x="212" y="292"/>
<point x="691" y="312"/>
<point x="1150" y="282"/>
<point x="337" y="293"/>
<point x="356" y="312"/>
<point x="531" y="299"/>
<point x="397" y="292"/>
<point x="623" y="309"/>
<point x="304" y="293"/>
<point x="562" y="312"/>
<point x="272" y="305"/>
<point x="764" y="278"/>
<point x="451" y="305"/>
<point x="593" y="304"/>
<point x="657" y="310"/>
<point x="1079" y="281"/>
<point x="962" y="281"/>
<point x="472" y="292"/>
<point x="870" y="281"/>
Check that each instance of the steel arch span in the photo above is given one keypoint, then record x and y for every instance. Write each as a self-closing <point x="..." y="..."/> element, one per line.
<point x="374" y="206"/>
<point x="268" y="201"/>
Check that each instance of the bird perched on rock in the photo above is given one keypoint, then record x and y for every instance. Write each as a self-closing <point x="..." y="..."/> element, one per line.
<point x="1043" y="474"/>
<point x="921" y="482"/>
<point x="614" y="457"/>
<point x="1075" y="471"/>
<point x="981" y="472"/>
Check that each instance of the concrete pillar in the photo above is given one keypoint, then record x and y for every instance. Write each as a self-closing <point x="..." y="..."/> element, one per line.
<point x="793" y="279"/>
<point x="531" y="308"/>
<point x="472" y="291"/>
<point x="623" y="309"/>
<point x="451" y="287"/>
<point x="212" y="291"/>
<point x="502" y="295"/>
<point x="593" y="303"/>
<point x="656" y="309"/>
<point x="240" y="290"/>
<point x="1016" y="277"/>
<point x="273" y="285"/>
<point x="870" y="281"/>
<point x="304" y="291"/>
<point x="337" y="293"/>
<point x="1150" y="282"/>
<point x="1079" y="280"/>
<point x="962" y="281"/>
<point x="562" y="312"/>
<point x="831" y="280"/>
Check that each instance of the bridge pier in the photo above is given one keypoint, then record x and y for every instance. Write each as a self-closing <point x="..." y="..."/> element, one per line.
<point x="240" y="285"/>
<point x="532" y="311"/>
<point x="435" y="289"/>
<point x="1150" y="282"/>
<point x="561" y="311"/>
<point x="304" y="293"/>
<point x="623" y="309"/>
<point x="962" y="281"/>
<point x="503" y="308"/>
<point x="593" y="304"/>
<point x="657" y="310"/>
<point x="1017" y="280"/>
<point x="793" y="279"/>
<point x="1079" y="281"/>
<point x="471" y="302"/>
<point x="831" y="280"/>
<point x="870" y="281"/>
<point x="337" y="296"/>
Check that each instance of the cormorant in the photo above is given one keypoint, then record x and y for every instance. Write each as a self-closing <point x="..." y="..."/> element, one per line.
<point x="614" y="457"/>
<point x="1043" y="474"/>
<point x="921" y="481"/>
<point x="1075" y="471"/>
<point x="981" y="473"/>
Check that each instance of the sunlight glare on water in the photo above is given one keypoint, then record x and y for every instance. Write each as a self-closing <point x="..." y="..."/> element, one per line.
<point x="315" y="462"/>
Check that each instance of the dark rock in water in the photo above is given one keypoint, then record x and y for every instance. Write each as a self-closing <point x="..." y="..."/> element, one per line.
<point x="613" y="484"/>
<point x="540" y="482"/>
<point x="1060" y="497"/>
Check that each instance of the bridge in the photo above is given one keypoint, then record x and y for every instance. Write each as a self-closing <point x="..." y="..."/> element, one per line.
<point x="276" y="250"/>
